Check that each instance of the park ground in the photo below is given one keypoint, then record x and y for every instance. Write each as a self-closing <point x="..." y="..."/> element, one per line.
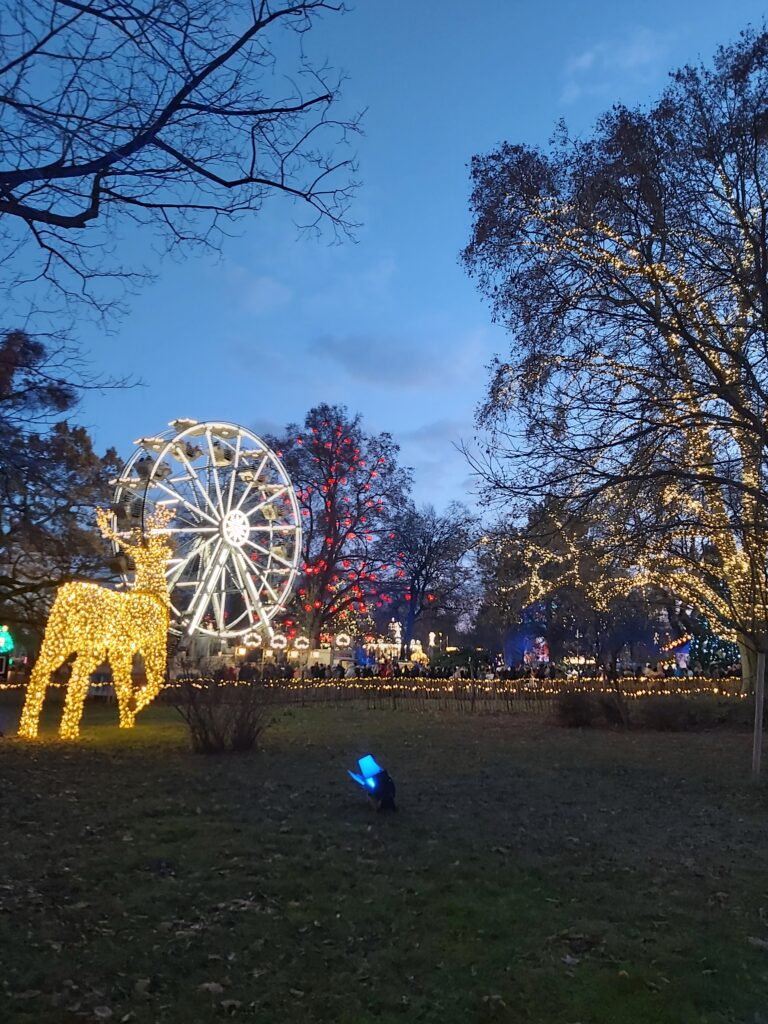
<point x="532" y="874"/>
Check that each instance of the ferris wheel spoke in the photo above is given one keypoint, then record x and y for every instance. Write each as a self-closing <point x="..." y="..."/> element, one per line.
<point x="180" y="514"/>
<point x="244" y="573"/>
<point x="176" y="571"/>
<point x="219" y="597"/>
<point x="271" y="554"/>
<point x="252" y="483"/>
<point x="191" y="529"/>
<point x="265" y="582"/>
<point x="206" y="584"/>
<point x="196" y="480"/>
<point x="233" y="474"/>
<point x="215" y="471"/>
<point x="194" y="509"/>
<point x="266" y="501"/>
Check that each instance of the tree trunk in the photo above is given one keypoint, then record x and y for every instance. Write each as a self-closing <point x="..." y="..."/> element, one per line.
<point x="408" y="626"/>
<point x="314" y="630"/>
<point x="757" y="741"/>
<point x="748" y="667"/>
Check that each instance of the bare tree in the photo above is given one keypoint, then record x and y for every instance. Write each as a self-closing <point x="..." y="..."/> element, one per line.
<point x="430" y="550"/>
<point x="178" y="116"/>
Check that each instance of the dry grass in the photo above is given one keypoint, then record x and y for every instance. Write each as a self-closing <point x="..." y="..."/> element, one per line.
<point x="533" y="874"/>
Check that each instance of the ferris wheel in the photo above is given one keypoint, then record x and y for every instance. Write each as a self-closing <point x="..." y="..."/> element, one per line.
<point x="236" y="529"/>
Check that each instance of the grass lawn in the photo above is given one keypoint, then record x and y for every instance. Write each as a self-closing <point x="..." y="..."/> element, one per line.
<point x="532" y="874"/>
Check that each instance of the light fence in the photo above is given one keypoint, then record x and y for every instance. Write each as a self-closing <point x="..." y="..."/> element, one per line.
<point x="456" y="694"/>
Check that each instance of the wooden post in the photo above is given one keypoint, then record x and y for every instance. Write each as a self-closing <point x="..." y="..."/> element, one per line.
<point x="757" y="741"/>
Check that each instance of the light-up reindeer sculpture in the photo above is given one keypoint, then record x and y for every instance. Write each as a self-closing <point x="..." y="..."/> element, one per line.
<point x="100" y="625"/>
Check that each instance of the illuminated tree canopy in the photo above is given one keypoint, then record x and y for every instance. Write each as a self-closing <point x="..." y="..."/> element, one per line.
<point x="630" y="268"/>
<point x="348" y="484"/>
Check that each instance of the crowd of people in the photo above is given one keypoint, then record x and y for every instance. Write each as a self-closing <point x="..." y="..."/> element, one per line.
<point x="282" y="669"/>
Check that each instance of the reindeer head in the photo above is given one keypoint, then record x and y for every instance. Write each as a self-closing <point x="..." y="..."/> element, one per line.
<point x="150" y="555"/>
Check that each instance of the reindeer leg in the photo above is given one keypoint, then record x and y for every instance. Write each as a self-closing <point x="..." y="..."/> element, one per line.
<point x="77" y="691"/>
<point x="122" y="680"/>
<point x="154" y="664"/>
<point x="38" y="684"/>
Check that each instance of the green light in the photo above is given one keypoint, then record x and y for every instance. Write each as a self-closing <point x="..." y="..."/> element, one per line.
<point x="6" y="640"/>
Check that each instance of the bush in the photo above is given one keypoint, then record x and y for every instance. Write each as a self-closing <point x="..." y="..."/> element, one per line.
<point x="576" y="710"/>
<point x="222" y="716"/>
<point x="613" y="708"/>
<point x="675" y="713"/>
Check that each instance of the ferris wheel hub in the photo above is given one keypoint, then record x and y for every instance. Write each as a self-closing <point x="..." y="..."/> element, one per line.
<point x="235" y="528"/>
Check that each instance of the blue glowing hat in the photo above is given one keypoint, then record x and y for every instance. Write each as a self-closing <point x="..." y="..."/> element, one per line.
<point x="368" y="769"/>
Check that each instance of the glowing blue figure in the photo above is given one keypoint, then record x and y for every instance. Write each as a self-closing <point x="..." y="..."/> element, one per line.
<point x="377" y="782"/>
<point x="368" y="770"/>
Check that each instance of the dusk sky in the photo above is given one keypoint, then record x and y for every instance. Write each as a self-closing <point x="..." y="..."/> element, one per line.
<point x="390" y="326"/>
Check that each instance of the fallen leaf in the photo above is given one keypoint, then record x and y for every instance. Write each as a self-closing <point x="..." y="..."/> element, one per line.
<point x="211" y="986"/>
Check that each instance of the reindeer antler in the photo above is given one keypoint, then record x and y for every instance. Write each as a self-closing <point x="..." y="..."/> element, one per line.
<point x="159" y="519"/>
<point x="157" y="522"/>
<point x="104" y="520"/>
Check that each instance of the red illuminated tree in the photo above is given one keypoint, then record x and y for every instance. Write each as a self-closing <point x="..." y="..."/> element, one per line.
<point x="349" y="484"/>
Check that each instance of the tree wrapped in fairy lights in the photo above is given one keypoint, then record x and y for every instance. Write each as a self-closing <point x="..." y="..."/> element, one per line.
<point x="630" y="268"/>
<point x="348" y="483"/>
<point x="556" y="576"/>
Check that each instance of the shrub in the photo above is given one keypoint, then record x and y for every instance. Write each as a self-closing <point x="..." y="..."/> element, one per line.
<point x="676" y="713"/>
<point x="613" y="708"/>
<point x="222" y="716"/>
<point x="576" y="710"/>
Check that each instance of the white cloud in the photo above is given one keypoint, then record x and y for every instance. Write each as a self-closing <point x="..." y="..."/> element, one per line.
<point x="264" y="294"/>
<point x="249" y="292"/>
<point x="636" y="58"/>
<point x="380" y="361"/>
<point x="437" y="432"/>
<point x="402" y="364"/>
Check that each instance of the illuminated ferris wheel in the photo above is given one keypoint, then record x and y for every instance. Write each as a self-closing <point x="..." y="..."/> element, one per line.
<point x="236" y="528"/>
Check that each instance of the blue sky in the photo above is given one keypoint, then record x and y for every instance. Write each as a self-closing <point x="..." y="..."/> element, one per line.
<point x="389" y="325"/>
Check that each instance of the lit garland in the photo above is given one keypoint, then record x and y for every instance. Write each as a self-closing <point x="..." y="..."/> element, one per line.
<point x="101" y="625"/>
<point x="689" y="686"/>
<point x="492" y="689"/>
